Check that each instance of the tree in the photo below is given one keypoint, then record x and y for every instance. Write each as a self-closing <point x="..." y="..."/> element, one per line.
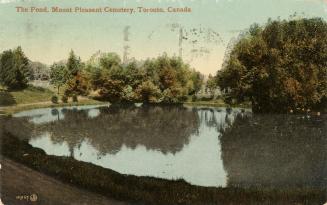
<point x="211" y="85"/>
<point x="148" y="92"/>
<point x="14" y="69"/>
<point x="58" y="75"/>
<point x="78" y="85"/>
<point x="108" y="60"/>
<point x="197" y="81"/>
<point x="73" y="64"/>
<point x="77" y="80"/>
<point x="112" y="90"/>
<point x="279" y="66"/>
<point x="162" y="79"/>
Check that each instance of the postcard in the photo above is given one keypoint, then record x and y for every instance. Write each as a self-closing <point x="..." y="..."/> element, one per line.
<point x="163" y="102"/>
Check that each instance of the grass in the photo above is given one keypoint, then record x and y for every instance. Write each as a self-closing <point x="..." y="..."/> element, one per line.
<point x="35" y="97"/>
<point x="32" y="95"/>
<point x="147" y="190"/>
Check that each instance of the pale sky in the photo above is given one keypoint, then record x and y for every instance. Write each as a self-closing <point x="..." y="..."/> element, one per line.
<point x="48" y="37"/>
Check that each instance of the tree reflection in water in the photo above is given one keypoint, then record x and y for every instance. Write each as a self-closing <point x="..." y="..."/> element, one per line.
<point x="276" y="151"/>
<point x="250" y="150"/>
<point x="162" y="128"/>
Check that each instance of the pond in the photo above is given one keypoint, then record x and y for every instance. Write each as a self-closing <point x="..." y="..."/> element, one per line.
<point x="204" y="146"/>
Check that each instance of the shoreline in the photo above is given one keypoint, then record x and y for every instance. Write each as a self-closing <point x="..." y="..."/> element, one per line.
<point x="148" y="190"/>
<point x="142" y="189"/>
<point x="8" y="110"/>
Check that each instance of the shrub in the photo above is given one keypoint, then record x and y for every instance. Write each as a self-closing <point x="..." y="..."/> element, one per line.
<point x="54" y="99"/>
<point x="75" y="98"/>
<point x="64" y="99"/>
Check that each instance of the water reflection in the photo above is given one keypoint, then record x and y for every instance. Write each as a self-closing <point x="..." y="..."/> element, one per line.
<point x="163" y="141"/>
<point x="166" y="129"/>
<point x="276" y="151"/>
<point x="204" y="146"/>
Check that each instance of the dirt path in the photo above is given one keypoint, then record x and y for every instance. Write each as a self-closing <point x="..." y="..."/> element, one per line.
<point x="18" y="180"/>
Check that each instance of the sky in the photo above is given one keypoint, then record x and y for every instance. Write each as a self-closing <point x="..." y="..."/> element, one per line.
<point x="207" y="30"/>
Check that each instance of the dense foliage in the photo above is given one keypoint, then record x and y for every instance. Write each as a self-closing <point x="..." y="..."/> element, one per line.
<point x="163" y="79"/>
<point x="14" y="69"/>
<point x="279" y="67"/>
<point x="69" y="74"/>
<point x="58" y="75"/>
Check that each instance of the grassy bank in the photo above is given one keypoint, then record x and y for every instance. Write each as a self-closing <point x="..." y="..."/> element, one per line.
<point x="34" y="97"/>
<point x="146" y="190"/>
<point x="13" y="109"/>
<point x="30" y="94"/>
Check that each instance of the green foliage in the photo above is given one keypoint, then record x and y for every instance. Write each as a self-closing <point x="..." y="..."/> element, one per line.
<point x="164" y="79"/>
<point x="109" y="60"/>
<point x="211" y="84"/>
<point x="148" y="92"/>
<point x="58" y="75"/>
<point x="54" y="99"/>
<point x="75" y="99"/>
<point x="73" y="64"/>
<point x="78" y="85"/>
<point x="279" y="67"/>
<point x="64" y="99"/>
<point x="112" y="90"/>
<point x="70" y="74"/>
<point x="14" y="69"/>
<point x="174" y="94"/>
<point x="196" y="82"/>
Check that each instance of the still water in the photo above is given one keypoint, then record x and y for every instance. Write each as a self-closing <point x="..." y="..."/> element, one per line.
<point x="203" y="146"/>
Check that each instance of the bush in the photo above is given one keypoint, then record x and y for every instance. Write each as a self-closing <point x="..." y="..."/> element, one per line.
<point x="64" y="99"/>
<point x="75" y="98"/>
<point x="54" y="99"/>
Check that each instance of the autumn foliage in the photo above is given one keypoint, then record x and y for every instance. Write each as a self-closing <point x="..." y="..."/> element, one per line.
<point x="279" y="67"/>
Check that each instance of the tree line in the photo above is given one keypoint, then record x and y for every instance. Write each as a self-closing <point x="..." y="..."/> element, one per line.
<point x="159" y="80"/>
<point x="278" y="67"/>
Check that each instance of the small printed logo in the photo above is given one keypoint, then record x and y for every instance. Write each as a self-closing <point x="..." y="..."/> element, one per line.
<point x="32" y="197"/>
